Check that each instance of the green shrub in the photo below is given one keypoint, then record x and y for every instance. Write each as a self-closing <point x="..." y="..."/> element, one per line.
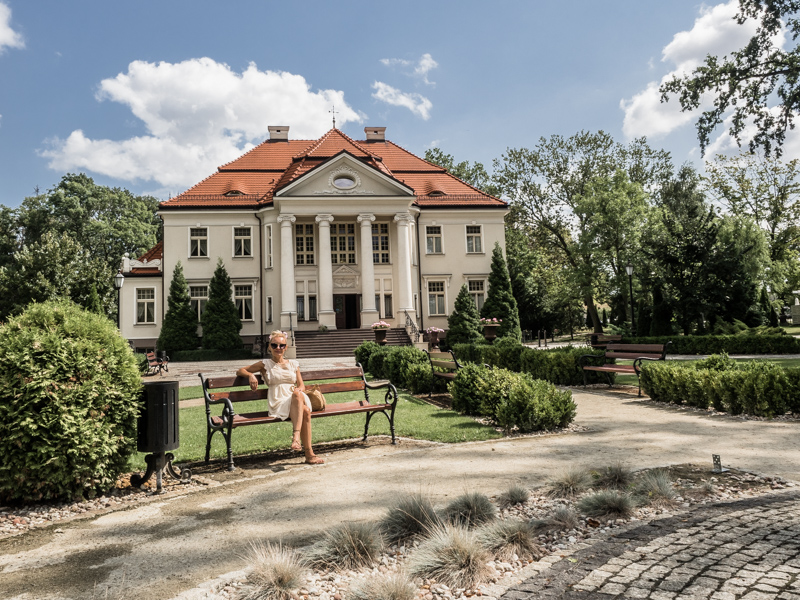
<point x="535" y="405"/>
<point x="732" y="344"/>
<point x="377" y="362"/>
<point x="418" y="379"/>
<point x="793" y="381"/>
<point x="364" y="351"/>
<point x="69" y="389"/>
<point x="400" y="360"/>
<point x="560" y="365"/>
<point x="213" y="355"/>
<point x="465" y="388"/>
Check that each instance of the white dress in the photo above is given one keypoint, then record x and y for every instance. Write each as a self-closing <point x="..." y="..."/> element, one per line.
<point x="281" y="378"/>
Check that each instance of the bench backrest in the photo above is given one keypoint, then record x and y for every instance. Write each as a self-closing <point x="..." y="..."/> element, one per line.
<point x="631" y="351"/>
<point x="262" y="392"/>
<point x="444" y="360"/>
<point x="152" y="359"/>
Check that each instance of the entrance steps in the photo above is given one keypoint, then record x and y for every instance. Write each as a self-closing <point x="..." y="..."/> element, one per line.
<point x="342" y="342"/>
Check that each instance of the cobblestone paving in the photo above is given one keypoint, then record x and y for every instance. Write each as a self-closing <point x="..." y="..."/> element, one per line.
<point x="748" y="549"/>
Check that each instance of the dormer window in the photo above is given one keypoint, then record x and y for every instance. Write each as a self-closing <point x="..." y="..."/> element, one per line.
<point x="436" y="193"/>
<point x="234" y="193"/>
<point x="344" y="182"/>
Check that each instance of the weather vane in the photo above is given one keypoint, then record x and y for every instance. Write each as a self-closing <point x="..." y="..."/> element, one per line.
<point x="333" y="112"/>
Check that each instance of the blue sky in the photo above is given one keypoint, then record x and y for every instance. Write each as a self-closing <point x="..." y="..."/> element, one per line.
<point x="154" y="95"/>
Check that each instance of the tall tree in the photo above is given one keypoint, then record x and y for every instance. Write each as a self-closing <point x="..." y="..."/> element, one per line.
<point x="500" y="302"/>
<point x="746" y="81"/>
<point x="463" y="324"/>
<point x="220" y="320"/>
<point x="179" y="329"/>
<point x="474" y="174"/>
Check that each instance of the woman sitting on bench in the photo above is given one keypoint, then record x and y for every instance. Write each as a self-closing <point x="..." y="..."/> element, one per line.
<point x="287" y="398"/>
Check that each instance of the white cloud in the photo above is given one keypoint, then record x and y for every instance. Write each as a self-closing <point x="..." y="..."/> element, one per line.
<point x="8" y="37"/>
<point x="420" y="68"/>
<point x="416" y="103"/>
<point x="715" y="32"/>
<point x="198" y="114"/>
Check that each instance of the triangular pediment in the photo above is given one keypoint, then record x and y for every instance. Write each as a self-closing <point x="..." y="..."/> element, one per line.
<point x="344" y="176"/>
<point x="345" y="270"/>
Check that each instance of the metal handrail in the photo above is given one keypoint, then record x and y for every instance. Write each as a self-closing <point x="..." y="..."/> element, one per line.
<point x="291" y="327"/>
<point x="410" y="324"/>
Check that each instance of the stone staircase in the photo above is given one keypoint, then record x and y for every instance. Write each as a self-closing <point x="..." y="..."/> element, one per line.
<point x="342" y="342"/>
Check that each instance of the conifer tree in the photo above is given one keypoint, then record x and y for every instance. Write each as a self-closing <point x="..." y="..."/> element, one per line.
<point x="93" y="303"/>
<point x="500" y="303"/>
<point x="220" y="320"/>
<point x="605" y="318"/>
<point x="463" y="324"/>
<point x="179" y="330"/>
<point x="662" y="315"/>
<point x="770" y="318"/>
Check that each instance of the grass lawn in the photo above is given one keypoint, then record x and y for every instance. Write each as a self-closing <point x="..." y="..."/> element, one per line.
<point x="413" y="418"/>
<point x="792" y="329"/>
<point x="786" y="363"/>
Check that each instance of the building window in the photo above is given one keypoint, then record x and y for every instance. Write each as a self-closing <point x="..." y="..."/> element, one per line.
<point x="199" y="296"/>
<point x="343" y="243"/>
<point x="387" y="306"/>
<point x="474" y="239"/>
<point x="378" y="303"/>
<point x="301" y="308"/>
<point x="436" y="298"/>
<point x="312" y="308"/>
<point x="433" y="239"/>
<point x="380" y="243"/>
<point x="268" y="246"/>
<point x="198" y="242"/>
<point x="304" y="244"/>
<point x="146" y="305"/>
<point x="243" y="298"/>
<point x="242" y="241"/>
<point x="269" y="309"/>
<point x="476" y="290"/>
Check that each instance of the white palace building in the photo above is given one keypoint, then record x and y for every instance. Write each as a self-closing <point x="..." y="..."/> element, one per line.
<point x="332" y="232"/>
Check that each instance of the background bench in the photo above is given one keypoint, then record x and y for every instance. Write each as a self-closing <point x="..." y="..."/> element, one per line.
<point x="601" y="340"/>
<point x="635" y="352"/>
<point x="446" y="362"/>
<point x="229" y="419"/>
<point x="156" y="364"/>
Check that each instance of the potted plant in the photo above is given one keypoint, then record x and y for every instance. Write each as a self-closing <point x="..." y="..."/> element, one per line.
<point x="433" y="336"/>
<point x="380" y="328"/>
<point x="490" y="327"/>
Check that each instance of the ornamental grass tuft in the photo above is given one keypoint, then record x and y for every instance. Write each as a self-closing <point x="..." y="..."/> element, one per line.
<point x="514" y="495"/>
<point x="347" y="546"/>
<point x="563" y="518"/>
<point x="616" y="476"/>
<point x="504" y="539"/>
<point x="412" y="515"/>
<point x="453" y="556"/>
<point x="569" y="484"/>
<point x="470" y="509"/>
<point x="277" y="571"/>
<point x="606" y="503"/>
<point x="655" y="487"/>
<point x="388" y="586"/>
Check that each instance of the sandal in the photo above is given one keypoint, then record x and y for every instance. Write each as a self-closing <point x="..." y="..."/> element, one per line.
<point x="296" y="445"/>
<point x="314" y="460"/>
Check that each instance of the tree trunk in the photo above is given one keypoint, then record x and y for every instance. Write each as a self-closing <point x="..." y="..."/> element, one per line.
<point x="592" y="310"/>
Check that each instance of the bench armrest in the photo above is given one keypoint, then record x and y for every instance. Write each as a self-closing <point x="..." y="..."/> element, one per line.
<point x="227" y="411"/>
<point x="585" y="358"/>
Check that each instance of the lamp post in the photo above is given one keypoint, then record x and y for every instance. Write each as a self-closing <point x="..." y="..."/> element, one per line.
<point x="629" y="271"/>
<point x="119" y="279"/>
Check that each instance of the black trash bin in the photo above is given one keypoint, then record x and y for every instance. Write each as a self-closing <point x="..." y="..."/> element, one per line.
<point x="158" y="423"/>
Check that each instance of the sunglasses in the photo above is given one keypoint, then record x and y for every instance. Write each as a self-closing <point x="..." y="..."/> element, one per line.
<point x="276" y="346"/>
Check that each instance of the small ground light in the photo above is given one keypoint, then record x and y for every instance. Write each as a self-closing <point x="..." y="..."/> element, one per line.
<point x="718" y="468"/>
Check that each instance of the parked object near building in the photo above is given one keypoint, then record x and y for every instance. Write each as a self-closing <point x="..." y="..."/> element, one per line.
<point x="330" y="232"/>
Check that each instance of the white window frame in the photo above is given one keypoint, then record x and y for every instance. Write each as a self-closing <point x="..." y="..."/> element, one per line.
<point x="244" y="298"/>
<point x="196" y="300"/>
<point x="442" y="292"/>
<point x="199" y="245"/>
<point x="336" y="236"/>
<point x="269" y="310"/>
<point x="379" y="252"/>
<point x="434" y="236"/>
<point x="146" y="301"/>
<point x="475" y="293"/>
<point x="305" y="252"/>
<point x="478" y="236"/>
<point x="248" y="237"/>
<point x="268" y="246"/>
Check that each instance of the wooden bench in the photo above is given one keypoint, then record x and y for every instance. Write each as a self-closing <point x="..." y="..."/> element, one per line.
<point x="442" y="360"/>
<point x="601" y="340"/>
<point x="156" y="365"/>
<point x="635" y="352"/>
<point x="229" y="420"/>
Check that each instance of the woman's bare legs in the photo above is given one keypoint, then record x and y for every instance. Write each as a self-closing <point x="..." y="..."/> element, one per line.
<point x="300" y="413"/>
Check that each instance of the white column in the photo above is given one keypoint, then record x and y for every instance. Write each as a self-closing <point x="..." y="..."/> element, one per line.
<point x="287" y="270"/>
<point x="368" y="313"/>
<point x="325" y="296"/>
<point x="404" y="300"/>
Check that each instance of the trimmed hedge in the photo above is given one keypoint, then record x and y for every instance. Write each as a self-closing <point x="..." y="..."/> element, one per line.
<point x="717" y="344"/>
<point x="69" y="398"/>
<point x="405" y="366"/>
<point x="757" y="387"/>
<point x="210" y="355"/>
<point x="511" y="399"/>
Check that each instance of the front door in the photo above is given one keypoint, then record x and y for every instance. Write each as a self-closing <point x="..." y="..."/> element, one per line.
<point x="348" y="310"/>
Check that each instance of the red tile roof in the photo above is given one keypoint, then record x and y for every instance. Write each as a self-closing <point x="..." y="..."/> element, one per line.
<point x="155" y="253"/>
<point x="272" y="165"/>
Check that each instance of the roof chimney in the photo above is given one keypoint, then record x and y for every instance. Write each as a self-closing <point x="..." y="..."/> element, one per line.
<point x="375" y="134"/>
<point x="278" y="132"/>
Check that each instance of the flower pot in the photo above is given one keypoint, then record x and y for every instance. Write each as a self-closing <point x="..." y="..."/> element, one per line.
<point x="490" y="332"/>
<point x="433" y="339"/>
<point x="380" y="336"/>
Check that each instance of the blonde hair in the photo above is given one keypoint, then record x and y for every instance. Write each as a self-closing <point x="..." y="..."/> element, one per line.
<point x="277" y="333"/>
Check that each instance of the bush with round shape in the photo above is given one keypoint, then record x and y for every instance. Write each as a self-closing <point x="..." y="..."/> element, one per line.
<point x="465" y="388"/>
<point x="504" y="539"/>
<point x="419" y="379"/>
<point x="534" y="405"/>
<point x="400" y="360"/>
<point x="413" y="514"/>
<point x="470" y="509"/>
<point x="347" y="546"/>
<point x="377" y="362"/>
<point x="277" y="571"/>
<point x="364" y="351"/>
<point x="516" y="494"/>
<point x="384" y="586"/>
<point x="453" y="556"/>
<point x="69" y="398"/>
